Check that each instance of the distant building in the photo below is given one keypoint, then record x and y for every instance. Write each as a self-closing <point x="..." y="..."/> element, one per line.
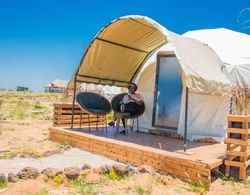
<point x="22" y="88"/>
<point x="56" y="86"/>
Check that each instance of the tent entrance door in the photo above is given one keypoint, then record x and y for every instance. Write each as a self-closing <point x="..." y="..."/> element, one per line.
<point x="168" y="91"/>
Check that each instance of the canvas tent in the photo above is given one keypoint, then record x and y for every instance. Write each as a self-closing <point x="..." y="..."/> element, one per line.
<point x="232" y="47"/>
<point x="105" y="90"/>
<point x="125" y="50"/>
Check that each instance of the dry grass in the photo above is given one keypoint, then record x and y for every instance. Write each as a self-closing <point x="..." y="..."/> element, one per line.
<point x="24" y="121"/>
<point x="240" y="100"/>
<point x="27" y="105"/>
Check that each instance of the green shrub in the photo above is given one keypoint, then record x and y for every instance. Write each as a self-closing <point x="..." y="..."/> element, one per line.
<point x="114" y="176"/>
<point x="85" y="187"/>
<point x="3" y="184"/>
<point x="198" y="187"/>
<point x="139" y="190"/>
<point x="58" y="179"/>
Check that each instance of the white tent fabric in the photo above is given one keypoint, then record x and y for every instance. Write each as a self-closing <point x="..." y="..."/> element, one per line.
<point x="105" y="90"/>
<point x="126" y="50"/>
<point x="232" y="47"/>
<point x="201" y="65"/>
<point x="110" y="91"/>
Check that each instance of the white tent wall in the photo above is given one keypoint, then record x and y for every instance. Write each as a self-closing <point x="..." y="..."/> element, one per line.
<point x="146" y="87"/>
<point x="206" y="113"/>
<point x="206" y="116"/>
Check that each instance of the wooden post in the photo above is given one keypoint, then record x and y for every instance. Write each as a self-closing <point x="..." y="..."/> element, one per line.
<point x="243" y="170"/>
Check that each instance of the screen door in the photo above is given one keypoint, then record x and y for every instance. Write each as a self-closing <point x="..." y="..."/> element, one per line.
<point x="167" y="100"/>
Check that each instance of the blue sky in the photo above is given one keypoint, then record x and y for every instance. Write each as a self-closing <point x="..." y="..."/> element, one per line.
<point x="44" y="40"/>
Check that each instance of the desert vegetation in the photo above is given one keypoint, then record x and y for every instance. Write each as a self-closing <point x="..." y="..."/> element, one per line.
<point x="27" y="105"/>
<point x="24" y="121"/>
<point x="116" y="179"/>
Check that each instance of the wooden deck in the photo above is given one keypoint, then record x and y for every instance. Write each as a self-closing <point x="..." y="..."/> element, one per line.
<point x="163" y="153"/>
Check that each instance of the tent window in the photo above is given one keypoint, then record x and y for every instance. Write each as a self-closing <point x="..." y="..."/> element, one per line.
<point x="167" y="101"/>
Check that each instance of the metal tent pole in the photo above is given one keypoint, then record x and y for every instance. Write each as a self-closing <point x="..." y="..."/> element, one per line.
<point x="89" y="123"/>
<point x="80" y="121"/>
<point x="106" y="123"/>
<point x="73" y="107"/>
<point x="186" y="119"/>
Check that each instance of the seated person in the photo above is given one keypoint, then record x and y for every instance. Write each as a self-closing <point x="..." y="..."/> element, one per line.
<point x="130" y="103"/>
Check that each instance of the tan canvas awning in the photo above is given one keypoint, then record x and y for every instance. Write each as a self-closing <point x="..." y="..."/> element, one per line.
<point x="116" y="54"/>
<point x="119" y="51"/>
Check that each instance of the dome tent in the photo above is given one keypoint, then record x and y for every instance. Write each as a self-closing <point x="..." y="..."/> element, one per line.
<point x="126" y="50"/>
<point x="232" y="47"/>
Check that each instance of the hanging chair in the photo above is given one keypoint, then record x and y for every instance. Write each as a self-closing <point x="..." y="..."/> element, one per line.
<point x="93" y="103"/>
<point x="115" y="103"/>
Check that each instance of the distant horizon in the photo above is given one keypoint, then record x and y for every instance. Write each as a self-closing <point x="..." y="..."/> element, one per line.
<point x="45" y="40"/>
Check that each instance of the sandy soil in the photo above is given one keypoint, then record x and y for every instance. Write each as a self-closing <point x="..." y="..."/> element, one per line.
<point x="24" y="122"/>
<point x="35" y="186"/>
<point x="25" y="138"/>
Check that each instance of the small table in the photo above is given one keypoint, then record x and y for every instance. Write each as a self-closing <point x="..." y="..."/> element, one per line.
<point x="120" y="115"/>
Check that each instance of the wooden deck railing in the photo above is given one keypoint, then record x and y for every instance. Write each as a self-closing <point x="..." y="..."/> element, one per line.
<point x="238" y="145"/>
<point x="63" y="114"/>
